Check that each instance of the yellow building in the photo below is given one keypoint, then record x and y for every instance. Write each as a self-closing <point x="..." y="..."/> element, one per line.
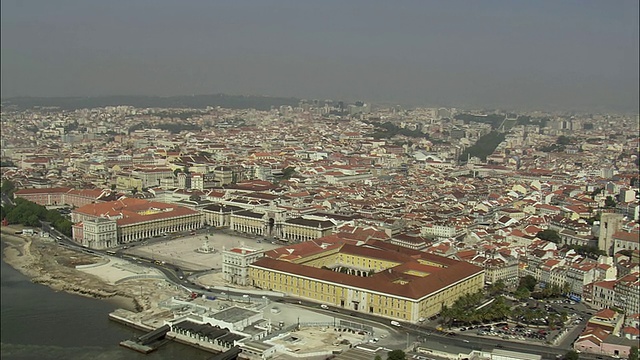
<point x="248" y="222"/>
<point x="218" y="215"/>
<point x="377" y="278"/>
<point x="135" y="219"/>
<point x="128" y="182"/>
<point x="307" y="228"/>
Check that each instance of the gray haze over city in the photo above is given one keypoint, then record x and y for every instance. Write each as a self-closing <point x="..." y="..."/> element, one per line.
<point x="550" y="55"/>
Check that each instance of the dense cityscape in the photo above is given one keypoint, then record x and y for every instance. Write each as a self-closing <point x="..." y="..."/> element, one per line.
<point x="405" y="217"/>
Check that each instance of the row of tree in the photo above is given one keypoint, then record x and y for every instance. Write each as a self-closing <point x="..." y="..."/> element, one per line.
<point x="31" y="214"/>
<point x="484" y="147"/>
<point x="388" y="130"/>
<point x="174" y="128"/>
<point x="467" y="310"/>
<point x="492" y="119"/>
<point x="588" y="251"/>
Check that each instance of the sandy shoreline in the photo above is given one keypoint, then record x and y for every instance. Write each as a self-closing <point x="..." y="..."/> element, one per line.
<point x="45" y="262"/>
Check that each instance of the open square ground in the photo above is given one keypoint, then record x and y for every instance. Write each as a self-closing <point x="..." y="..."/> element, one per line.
<point x="196" y="252"/>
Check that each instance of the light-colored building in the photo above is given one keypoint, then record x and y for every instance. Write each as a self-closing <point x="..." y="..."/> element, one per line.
<point x="578" y="276"/>
<point x="138" y="219"/>
<point x="623" y="240"/>
<point x="99" y="233"/>
<point x="248" y="222"/>
<point x="235" y="264"/>
<point x="197" y="182"/>
<point x="224" y="175"/>
<point x="609" y="224"/>
<point x="505" y="270"/>
<point x="628" y="293"/>
<point x="128" y="182"/>
<point x="442" y="231"/>
<point x="151" y="177"/>
<point x="64" y="196"/>
<point x="307" y="228"/>
<point x="218" y="215"/>
<point x="604" y="294"/>
<point x="379" y="278"/>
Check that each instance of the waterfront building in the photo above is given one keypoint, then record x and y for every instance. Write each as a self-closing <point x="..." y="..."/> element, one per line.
<point x="99" y="233"/>
<point x="235" y="264"/>
<point x="377" y="278"/>
<point x="135" y="219"/>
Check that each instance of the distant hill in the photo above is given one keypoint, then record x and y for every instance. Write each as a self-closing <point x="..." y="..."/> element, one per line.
<point x="195" y="101"/>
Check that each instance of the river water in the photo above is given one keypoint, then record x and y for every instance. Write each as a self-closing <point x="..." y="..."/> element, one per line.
<point x="39" y="323"/>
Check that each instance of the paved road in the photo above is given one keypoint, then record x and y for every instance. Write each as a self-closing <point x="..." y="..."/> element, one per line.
<point x="398" y="334"/>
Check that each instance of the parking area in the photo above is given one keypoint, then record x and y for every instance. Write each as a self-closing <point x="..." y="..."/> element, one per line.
<point x="552" y="321"/>
<point x="513" y="332"/>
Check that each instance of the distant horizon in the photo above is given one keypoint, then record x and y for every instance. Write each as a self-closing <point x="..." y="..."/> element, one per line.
<point x="546" y="55"/>
<point x="347" y="101"/>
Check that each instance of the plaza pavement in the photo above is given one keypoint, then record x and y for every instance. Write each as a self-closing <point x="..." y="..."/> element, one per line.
<point x="183" y="251"/>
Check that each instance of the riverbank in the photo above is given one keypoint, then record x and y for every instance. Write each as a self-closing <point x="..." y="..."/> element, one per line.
<point x="47" y="263"/>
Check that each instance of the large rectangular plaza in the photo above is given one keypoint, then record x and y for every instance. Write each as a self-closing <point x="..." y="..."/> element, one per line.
<point x="197" y="252"/>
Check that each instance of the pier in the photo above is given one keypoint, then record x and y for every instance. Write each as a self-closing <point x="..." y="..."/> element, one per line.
<point x="231" y="354"/>
<point x="149" y="341"/>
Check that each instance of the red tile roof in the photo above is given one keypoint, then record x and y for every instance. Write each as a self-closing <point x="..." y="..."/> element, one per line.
<point x="605" y="314"/>
<point x="132" y="210"/>
<point x="42" y="191"/>
<point x="393" y="281"/>
<point x="626" y="236"/>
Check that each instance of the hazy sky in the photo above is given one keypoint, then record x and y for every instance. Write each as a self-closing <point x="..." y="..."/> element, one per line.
<point x="558" y="54"/>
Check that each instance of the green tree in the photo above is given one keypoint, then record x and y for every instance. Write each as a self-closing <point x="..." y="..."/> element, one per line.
<point x="446" y="315"/>
<point x="496" y="288"/>
<point x="609" y="202"/>
<point x="378" y="357"/>
<point x="633" y="353"/>
<point x="571" y="355"/>
<point x="484" y="146"/>
<point x="549" y="235"/>
<point x="522" y="293"/>
<point x="396" y="355"/>
<point x="7" y="187"/>
<point x="30" y="214"/>
<point x="564" y="140"/>
<point x="529" y="282"/>
<point x="32" y="220"/>
<point x="288" y="172"/>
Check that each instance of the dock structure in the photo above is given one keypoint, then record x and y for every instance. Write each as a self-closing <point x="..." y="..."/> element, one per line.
<point x="230" y="354"/>
<point x="125" y="317"/>
<point x="149" y="341"/>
